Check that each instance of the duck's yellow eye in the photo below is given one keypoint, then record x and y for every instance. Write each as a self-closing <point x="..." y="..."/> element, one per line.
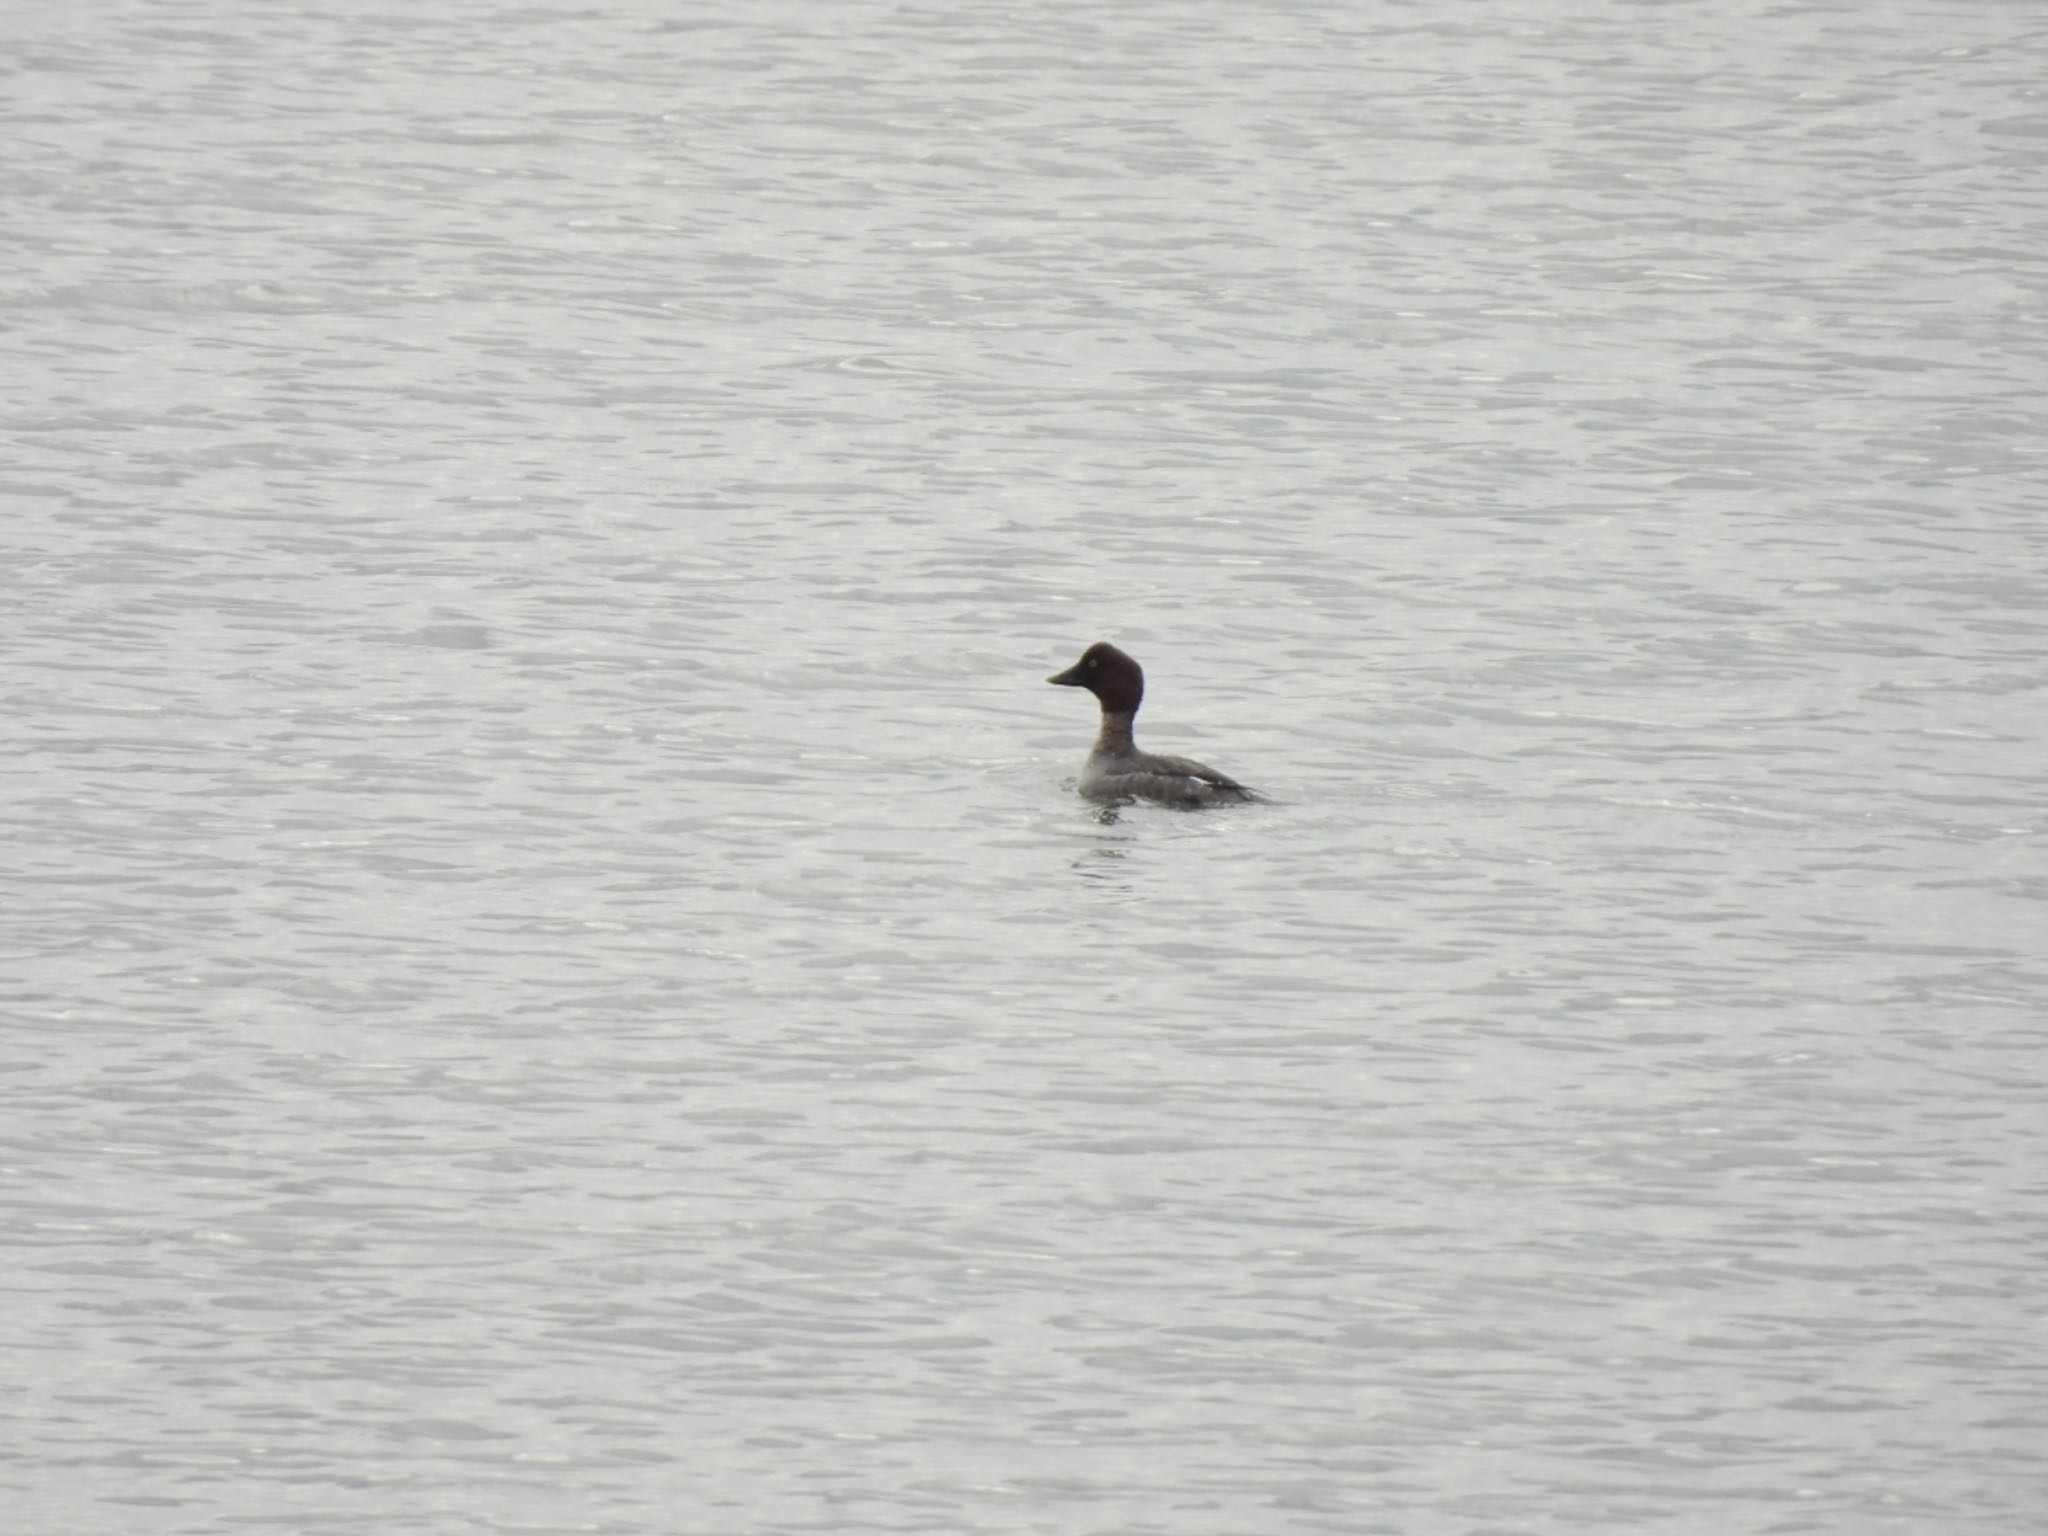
<point x="1094" y="663"/>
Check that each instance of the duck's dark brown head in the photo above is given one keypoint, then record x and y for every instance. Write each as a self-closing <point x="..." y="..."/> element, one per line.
<point x="1106" y="672"/>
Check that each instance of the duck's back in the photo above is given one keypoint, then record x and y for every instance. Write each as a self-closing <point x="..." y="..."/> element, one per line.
<point x="1168" y="780"/>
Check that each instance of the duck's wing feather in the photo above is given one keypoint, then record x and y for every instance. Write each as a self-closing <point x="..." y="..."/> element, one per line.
<point x="1176" y="781"/>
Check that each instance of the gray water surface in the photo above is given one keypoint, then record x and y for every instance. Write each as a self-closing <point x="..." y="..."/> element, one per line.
<point x="554" y="977"/>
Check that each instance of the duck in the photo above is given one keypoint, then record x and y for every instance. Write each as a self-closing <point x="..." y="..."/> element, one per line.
<point x="1116" y="770"/>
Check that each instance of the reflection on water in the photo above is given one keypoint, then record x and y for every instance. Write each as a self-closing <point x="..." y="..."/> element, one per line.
<point x="1105" y="865"/>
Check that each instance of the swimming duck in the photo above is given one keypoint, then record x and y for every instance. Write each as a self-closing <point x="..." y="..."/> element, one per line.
<point x="1116" y="769"/>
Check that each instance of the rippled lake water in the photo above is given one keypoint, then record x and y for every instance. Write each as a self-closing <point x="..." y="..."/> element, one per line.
<point x="555" y="977"/>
